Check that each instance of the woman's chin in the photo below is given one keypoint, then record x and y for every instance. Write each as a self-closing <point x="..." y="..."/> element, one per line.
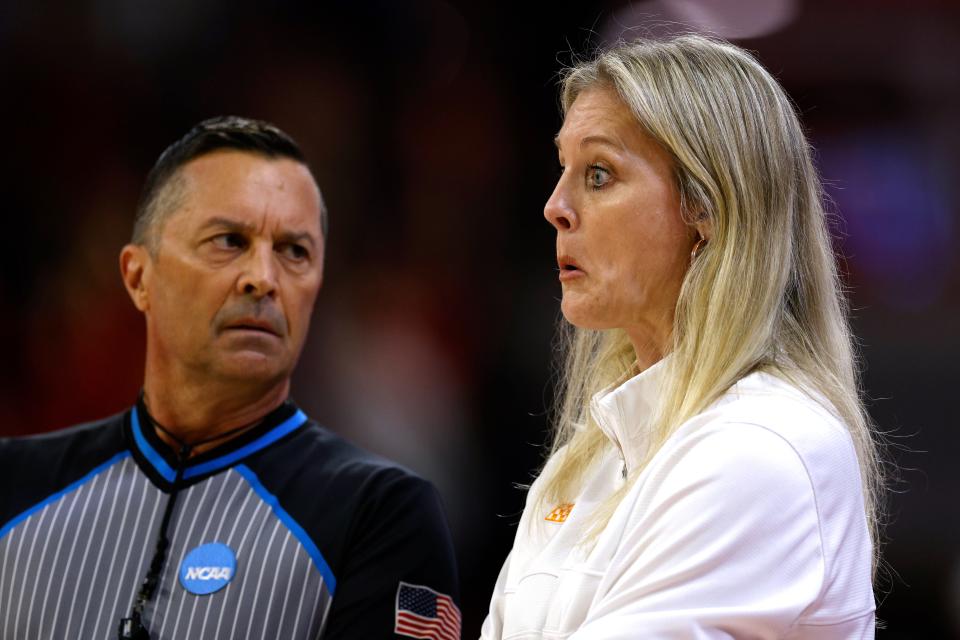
<point x="581" y="317"/>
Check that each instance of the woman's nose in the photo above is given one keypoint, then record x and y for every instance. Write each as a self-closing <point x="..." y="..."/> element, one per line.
<point x="558" y="211"/>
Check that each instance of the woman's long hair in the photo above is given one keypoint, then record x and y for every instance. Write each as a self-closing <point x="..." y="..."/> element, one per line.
<point x="764" y="293"/>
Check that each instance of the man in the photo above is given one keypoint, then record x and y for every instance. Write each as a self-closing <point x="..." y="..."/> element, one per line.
<point x="214" y="508"/>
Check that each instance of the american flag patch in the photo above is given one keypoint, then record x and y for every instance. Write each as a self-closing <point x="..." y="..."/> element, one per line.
<point x="425" y="613"/>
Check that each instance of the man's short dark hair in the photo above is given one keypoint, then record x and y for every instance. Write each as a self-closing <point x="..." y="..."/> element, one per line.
<point x="162" y="191"/>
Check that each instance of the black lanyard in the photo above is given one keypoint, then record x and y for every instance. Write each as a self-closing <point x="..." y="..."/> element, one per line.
<point x="132" y="628"/>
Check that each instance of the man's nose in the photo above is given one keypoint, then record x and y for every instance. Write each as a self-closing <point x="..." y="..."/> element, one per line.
<point x="558" y="210"/>
<point x="259" y="275"/>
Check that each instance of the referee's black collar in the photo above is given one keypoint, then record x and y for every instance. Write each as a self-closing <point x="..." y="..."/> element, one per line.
<point x="160" y="461"/>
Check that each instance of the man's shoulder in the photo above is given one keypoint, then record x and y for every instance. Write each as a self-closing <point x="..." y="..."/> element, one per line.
<point x="329" y="467"/>
<point x="35" y="467"/>
<point x="93" y="434"/>
<point x="326" y="452"/>
<point x="343" y="496"/>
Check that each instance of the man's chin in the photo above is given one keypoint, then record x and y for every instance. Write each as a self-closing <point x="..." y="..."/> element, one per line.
<point x="253" y="366"/>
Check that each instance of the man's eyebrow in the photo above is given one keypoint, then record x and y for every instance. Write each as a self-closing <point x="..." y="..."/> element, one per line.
<point x="227" y="223"/>
<point x="236" y="226"/>
<point x="298" y="237"/>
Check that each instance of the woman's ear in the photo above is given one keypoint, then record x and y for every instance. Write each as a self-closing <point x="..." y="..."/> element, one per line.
<point x="704" y="226"/>
<point x="703" y="229"/>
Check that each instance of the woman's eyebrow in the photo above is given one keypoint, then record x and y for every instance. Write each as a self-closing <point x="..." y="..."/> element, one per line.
<point x="594" y="139"/>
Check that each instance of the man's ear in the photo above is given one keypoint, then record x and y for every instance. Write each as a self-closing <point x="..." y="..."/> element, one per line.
<point x="135" y="265"/>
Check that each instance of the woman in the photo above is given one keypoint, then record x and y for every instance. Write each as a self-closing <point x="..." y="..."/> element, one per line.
<point x="713" y="474"/>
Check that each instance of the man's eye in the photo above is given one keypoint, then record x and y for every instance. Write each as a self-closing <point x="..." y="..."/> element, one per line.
<point x="229" y="241"/>
<point x="295" y="251"/>
<point x="597" y="176"/>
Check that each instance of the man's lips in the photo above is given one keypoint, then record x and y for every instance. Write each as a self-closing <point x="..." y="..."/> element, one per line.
<point x="253" y="324"/>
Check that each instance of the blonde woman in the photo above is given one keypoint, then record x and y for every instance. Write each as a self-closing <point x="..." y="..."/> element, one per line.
<point x="713" y="473"/>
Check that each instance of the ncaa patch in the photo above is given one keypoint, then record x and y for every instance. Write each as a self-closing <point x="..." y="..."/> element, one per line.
<point x="208" y="568"/>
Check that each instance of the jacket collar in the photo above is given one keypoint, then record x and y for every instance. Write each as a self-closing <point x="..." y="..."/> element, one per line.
<point x="625" y="410"/>
<point x="161" y="462"/>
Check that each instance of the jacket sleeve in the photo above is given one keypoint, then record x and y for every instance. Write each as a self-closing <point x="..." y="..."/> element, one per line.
<point x="400" y="537"/>
<point x="726" y="543"/>
<point x="493" y="625"/>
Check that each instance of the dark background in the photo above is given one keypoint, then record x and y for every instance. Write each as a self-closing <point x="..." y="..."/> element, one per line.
<point x="429" y="126"/>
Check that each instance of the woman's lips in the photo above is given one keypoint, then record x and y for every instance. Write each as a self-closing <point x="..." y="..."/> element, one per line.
<point x="569" y="270"/>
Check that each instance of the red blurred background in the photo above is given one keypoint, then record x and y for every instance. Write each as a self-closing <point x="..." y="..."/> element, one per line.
<point x="429" y="125"/>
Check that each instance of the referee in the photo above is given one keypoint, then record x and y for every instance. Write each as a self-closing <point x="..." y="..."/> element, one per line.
<point x="213" y="507"/>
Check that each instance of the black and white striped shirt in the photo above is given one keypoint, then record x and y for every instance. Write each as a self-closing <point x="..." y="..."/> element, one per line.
<point x="317" y="534"/>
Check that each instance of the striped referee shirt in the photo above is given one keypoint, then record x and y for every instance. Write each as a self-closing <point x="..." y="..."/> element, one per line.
<point x="286" y="531"/>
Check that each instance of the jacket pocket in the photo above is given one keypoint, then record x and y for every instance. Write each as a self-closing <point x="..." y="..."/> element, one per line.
<point x="575" y="592"/>
<point x="527" y="607"/>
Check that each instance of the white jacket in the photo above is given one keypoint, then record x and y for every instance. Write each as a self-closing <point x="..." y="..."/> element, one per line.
<point x="748" y="523"/>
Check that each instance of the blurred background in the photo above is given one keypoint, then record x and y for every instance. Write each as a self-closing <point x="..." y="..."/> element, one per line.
<point x="429" y="125"/>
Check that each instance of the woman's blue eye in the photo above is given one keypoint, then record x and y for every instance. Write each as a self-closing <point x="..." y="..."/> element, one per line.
<point x="597" y="176"/>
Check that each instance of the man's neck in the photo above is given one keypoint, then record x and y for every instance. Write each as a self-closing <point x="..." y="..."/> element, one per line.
<point x="195" y="413"/>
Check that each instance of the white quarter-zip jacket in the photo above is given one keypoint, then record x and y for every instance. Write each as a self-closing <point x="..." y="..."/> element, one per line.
<point x="748" y="523"/>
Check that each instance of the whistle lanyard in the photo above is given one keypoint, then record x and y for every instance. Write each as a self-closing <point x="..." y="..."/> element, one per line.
<point x="132" y="628"/>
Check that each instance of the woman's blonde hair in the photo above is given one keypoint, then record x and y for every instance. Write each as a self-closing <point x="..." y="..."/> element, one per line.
<point x="764" y="293"/>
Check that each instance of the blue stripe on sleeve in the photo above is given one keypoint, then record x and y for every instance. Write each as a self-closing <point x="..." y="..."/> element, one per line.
<point x="291" y="524"/>
<point x="59" y="494"/>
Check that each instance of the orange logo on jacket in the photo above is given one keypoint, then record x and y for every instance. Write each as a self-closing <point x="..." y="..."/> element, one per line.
<point x="560" y="513"/>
